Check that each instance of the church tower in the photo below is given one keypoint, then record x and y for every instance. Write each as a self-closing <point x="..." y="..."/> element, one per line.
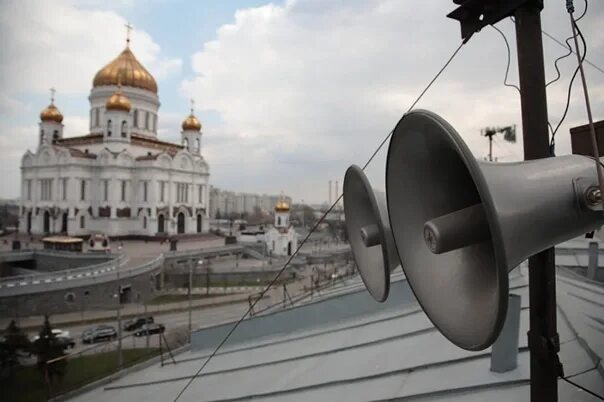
<point x="51" y="122"/>
<point x="191" y="133"/>
<point x="117" y="117"/>
<point x="282" y="214"/>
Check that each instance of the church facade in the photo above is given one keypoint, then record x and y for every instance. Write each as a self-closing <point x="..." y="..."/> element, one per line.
<point x="120" y="179"/>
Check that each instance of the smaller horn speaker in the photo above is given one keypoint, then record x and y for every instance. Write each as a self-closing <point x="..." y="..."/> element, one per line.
<point x="460" y="225"/>
<point x="369" y="232"/>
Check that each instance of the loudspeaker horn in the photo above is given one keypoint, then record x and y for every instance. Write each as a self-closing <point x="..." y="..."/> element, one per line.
<point x="369" y="232"/>
<point x="460" y="225"/>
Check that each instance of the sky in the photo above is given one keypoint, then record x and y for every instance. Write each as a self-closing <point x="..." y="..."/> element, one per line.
<point x="290" y="93"/>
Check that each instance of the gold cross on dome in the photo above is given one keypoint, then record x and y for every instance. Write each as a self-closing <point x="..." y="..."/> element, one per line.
<point x="129" y="28"/>
<point x="52" y="95"/>
<point x="192" y="105"/>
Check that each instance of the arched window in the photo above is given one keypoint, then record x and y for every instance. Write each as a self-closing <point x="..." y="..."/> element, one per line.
<point x="108" y="128"/>
<point x="278" y="220"/>
<point x="41" y="136"/>
<point x="55" y="135"/>
<point x="146" y="120"/>
<point x="70" y="297"/>
<point x="185" y="142"/>
<point x="82" y="222"/>
<point x="124" y="129"/>
<point x="197" y="145"/>
<point x="135" y="118"/>
<point x="96" y="117"/>
<point x="144" y="222"/>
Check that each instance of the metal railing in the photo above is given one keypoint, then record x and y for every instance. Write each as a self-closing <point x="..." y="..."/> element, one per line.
<point x="64" y="275"/>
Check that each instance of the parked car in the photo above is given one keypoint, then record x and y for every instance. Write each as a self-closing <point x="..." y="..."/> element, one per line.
<point x="66" y="342"/>
<point x="63" y="338"/>
<point x="137" y="323"/>
<point x="99" y="334"/>
<point x="150" y="329"/>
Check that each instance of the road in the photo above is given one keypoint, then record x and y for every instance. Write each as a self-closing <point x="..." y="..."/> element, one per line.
<point x="176" y="321"/>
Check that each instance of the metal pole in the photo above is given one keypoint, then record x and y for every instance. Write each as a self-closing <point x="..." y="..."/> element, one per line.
<point x="146" y="332"/>
<point x="490" y="148"/>
<point x="190" y="298"/>
<point x="119" y="315"/>
<point x="543" y="338"/>
<point x="208" y="279"/>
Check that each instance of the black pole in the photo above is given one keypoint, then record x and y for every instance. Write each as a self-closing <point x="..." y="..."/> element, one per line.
<point x="490" y="148"/>
<point x="543" y="338"/>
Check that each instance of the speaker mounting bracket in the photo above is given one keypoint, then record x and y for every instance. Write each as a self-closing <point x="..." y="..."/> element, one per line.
<point x="588" y="194"/>
<point x="545" y="348"/>
<point x="473" y="15"/>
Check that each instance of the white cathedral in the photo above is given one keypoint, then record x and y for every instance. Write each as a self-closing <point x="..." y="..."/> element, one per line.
<point x="120" y="179"/>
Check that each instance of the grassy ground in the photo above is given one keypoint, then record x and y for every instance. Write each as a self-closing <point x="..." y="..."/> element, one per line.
<point x="28" y="384"/>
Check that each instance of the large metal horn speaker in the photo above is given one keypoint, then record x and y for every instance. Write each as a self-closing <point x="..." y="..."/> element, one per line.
<point x="369" y="232"/>
<point x="460" y="225"/>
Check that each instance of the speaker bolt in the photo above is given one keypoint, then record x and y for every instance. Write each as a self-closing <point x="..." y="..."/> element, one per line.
<point x="594" y="196"/>
<point x="430" y="239"/>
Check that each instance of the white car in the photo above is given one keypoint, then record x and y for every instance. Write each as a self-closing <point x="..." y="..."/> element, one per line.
<point x="59" y="333"/>
<point x="63" y="336"/>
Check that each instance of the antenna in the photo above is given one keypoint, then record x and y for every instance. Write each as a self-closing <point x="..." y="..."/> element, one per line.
<point x="509" y="135"/>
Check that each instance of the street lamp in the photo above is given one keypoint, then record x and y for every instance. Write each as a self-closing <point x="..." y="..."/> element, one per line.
<point x="119" y="313"/>
<point x="200" y="265"/>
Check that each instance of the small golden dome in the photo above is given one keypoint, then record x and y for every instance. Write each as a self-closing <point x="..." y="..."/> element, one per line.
<point x="51" y="113"/>
<point x="118" y="101"/>
<point x="130" y="71"/>
<point x="282" y="206"/>
<point x="191" y="123"/>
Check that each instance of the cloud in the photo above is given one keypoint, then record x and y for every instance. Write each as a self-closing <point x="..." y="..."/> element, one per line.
<point x="56" y="43"/>
<point x="9" y="105"/>
<point x="13" y="142"/>
<point x="324" y="83"/>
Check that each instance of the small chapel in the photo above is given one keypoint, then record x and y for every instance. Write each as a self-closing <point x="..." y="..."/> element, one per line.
<point x="281" y="239"/>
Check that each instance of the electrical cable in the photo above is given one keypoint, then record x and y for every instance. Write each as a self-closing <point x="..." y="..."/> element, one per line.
<point x="600" y="397"/>
<point x="568" y="47"/>
<point x="600" y="69"/>
<point x="316" y="225"/>
<point x="570" y="84"/>
<point x="592" y="130"/>
<point x="552" y="130"/>
<point x="564" y="56"/>
<point x="507" y="68"/>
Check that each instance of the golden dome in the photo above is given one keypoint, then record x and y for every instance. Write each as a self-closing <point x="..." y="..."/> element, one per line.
<point x="118" y="101"/>
<point x="191" y="123"/>
<point x="282" y="206"/>
<point x="51" y="113"/>
<point x="130" y="71"/>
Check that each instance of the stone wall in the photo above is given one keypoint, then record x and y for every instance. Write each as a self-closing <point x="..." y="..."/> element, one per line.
<point x="96" y="297"/>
